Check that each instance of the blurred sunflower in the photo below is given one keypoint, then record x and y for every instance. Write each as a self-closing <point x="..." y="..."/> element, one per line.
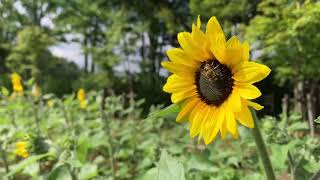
<point x="36" y="91"/>
<point x="16" y="83"/>
<point x="81" y="96"/>
<point x="212" y="81"/>
<point x="50" y="103"/>
<point x="22" y="149"/>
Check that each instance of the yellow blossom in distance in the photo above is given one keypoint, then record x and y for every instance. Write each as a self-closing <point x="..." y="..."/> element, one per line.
<point x="22" y="149"/>
<point x="81" y="96"/>
<point x="16" y="83"/>
<point x="50" y="103"/>
<point x="36" y="91"/>
<point x="83" y="104"/>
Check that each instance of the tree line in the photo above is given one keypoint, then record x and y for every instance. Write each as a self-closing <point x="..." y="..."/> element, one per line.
<point x="134" y="34"/>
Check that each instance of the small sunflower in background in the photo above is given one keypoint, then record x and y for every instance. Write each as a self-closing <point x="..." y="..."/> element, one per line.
<point x="22" y="149"/>
<point x="50" y="103"/>
<point x="36" y="91"/>
<point x="16" y="83"/>
<point x="81" y="96"/>
<point x="212" y="81"/>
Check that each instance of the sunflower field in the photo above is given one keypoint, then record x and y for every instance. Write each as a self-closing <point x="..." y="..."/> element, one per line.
<point x="64" y="140"/>
<point x="159" y="90"/>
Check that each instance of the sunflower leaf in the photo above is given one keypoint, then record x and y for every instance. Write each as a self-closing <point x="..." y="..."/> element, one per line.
<point x="25" y="163"/>
<point x="169" y="168"/>
<point x="61" y="172"/>
<point x="168" y="111"/>
<point x="317" y="120"/>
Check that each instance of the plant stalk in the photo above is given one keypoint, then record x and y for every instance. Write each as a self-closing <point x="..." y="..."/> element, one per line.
<point x="4" y="158"/>
<point x="108" y="133"/>
<point x="262" y="147"/>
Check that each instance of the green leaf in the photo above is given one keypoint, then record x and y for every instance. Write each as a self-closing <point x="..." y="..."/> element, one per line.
<point x="83" y="147"/>
<point x="60" y="173"/>
<point x="201" y="163"/>
<point x="23" y="164"/>
<point x="88" y="171"/>
<point x="169" y="168"/>
<point x="5" y="91"/>
<point x="31" y="81"/>
<point x="173" y="109"/>
<point x="150" y="174"/>
<point x="279" y="155"/>
<point x="298" y="126"/>
<point x="317" y="120"/>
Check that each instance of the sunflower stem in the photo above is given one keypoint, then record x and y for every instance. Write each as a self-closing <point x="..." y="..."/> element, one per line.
<point x="262" y="147"/>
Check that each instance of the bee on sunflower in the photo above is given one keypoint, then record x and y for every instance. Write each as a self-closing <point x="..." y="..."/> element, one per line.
<point x="212" y="81"/>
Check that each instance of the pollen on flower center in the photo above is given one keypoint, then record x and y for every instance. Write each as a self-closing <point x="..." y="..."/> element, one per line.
<point x="214" y="82"/>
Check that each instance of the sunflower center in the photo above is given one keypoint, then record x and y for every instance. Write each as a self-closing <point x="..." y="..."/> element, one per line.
<point x="214" y="82"/>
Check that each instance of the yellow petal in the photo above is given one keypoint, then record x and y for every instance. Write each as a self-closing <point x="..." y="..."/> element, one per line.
<point x="208" y="127"/>
<point x="208" y="118"/>
<point x="201" y="42"/>
<point x="218" y="48"/>
<point x="194" y="112"/>
<point x="186" y="109"/>
<point x="179" y="96"/>
<point x="255" y="106"/>
<point x="176" y="84"/>
<point x="233" y="51"/>
<point x="250" y="72"/>
<point x="245" y="117"/>
<point x="248" y="91"/>
<point x="175" y="78"/>
<point x="178" y="69"/>
<point x="198" y="119"/>
<point x="214" y="126"/>
<point x="213" y="28"/>
<point x="246" y="51"/>
<point x="179" y="56"/>
<point x="223" y="129"/>
<point x="232" y="124"/>
<point x="234" y="101"/>
<point x="187" y="43"/>
<point x="199" y="22"/>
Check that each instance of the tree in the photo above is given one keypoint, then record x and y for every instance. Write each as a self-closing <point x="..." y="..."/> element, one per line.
<point x="30" y="52"/>
<point x="286" y="32"/>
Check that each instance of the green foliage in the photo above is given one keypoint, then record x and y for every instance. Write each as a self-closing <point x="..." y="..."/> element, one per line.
<point x="30" y="57"/>
<point x="69" y="142"/>
<point x="29" y="52"/>
<point x="286" y="33"/>
<point x="61" y="172"/>
<point x="232" y="11"/>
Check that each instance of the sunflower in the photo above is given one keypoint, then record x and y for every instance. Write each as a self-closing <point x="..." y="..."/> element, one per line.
<point x="81" y="96"/>
<point x="22" y="149"/>
<point x="16" y="83"/>
<point x="36" y="91"/>
<point x="212" y="81"/>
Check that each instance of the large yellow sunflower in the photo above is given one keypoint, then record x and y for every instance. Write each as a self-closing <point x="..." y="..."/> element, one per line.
<point x="212" y="81"/>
